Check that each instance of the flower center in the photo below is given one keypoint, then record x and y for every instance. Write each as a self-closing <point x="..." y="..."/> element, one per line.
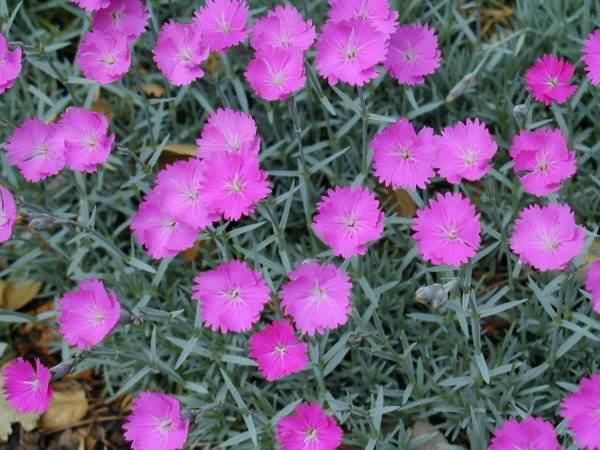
<point x="551" y="243"/>
<point x="2" y="60"/>
<point x="165" y="426"/>
<point x="234" y="295"/>
<point x="553" y="82"/>
<point x="470" y="157"/>
<point x="351" y="54"/>
<point x="278" y="78"/>
<point x="171" y="223"/>
<point x="224" y="24"/>
<point x="409" y="55"/>
<point x="543" y="165"/>
<point x="117" y="15"/>
<point x="312" y="435"/>
<point x="404" y="153"/>
<point x="452" y="234"/>
<point x="91" y="142"/>
<point x="193" y="194"/>
<point x="319" y="293"/>
<point x="234" y="142"/>
<point x="3" y="218"/>
<point x="109" y="59"/>
<point x="35" y="384"/>
<point x="42" y="151"/>
<point x="281" y="350"/>
<point x="351" y="222"/>
<point x="236" y="185"/>
<point x="185" y="55"/>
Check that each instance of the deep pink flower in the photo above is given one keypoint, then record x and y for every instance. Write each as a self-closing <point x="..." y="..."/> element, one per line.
<point x="276" y="74"/>
<point x="222" y="23"/>
<point x="127" y="18"/>
<point x="27" y="390"/>
<point x="33" y="149"/>
<point x="156" y="423"/>
<point x="549" y="79"/>
<point x="104" y="57"/>
<point x="349" y="51"/>
<point x="592" y="283"/>
<point x="348" y="219"/>
<point x="402" y="158"/>
<point x="277" y="351"/>
<point x="448" y="230"/>
<point x="89" y="314"/>
<point x="318" y="298"/>
<point x="467" y="150"/>
<point x="375" y="12"/>
<point x="309" y="428"/>
<point x="581" y="410"/>
<point x="532" y="433"/>
<point x="10" y="64"/>
<point x="232" y="296"/>
<point x="283" y="27"/>
<point x="547" y="237"/>
<point x="228" y="131"/>
<point x="179" y="52"/>
<point x="92" y="5"/>
<point x="544" y="160"/>
<point x="591" y="57"/>
<point x="8" y="214"/>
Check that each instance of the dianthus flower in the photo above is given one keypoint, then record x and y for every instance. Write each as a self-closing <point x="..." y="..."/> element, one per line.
<point x="282" y="28"/>
<point x="544" y="159"/>
<point x="309" y="428"/>
<point x="127" y="18"/>
<point x="228" y="131"/>
<point x="317" y="297"/>
<point x="10" y="64"/>
<point x="592" y="283"/>
<point x="591" y="57"/>
<point x="104" y="57"/>
<point x="549" y="79"/>
<point x="156" y="423"/>
<point x="448" y="230"/>
<point x="92" y="5"/>
<point x="277" y="351"/>
<point x="275" y="74"/>
<point x="547" y="237"/>
<point x="348" y="219"/>
<point x="26" y="389"/>
<point x="222" y="23"/>
<point x="532" y="433"/>
<point x="34" y="150"/>
<point x="8" y="214"/>
<point x="581" y="410"/>
<point x="232" y="296"/>
<point x="375" y="12"/>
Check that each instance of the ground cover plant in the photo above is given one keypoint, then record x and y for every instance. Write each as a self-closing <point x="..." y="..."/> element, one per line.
<point x="304" y="225"/>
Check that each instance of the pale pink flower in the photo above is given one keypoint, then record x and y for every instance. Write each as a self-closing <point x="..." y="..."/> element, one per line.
<point x="375" y="12"/>
<point x="547" y="237"/>
<point x="222" y="23"/>
<point x="10" y="64"/>
<point x="402" y="158"/>
<point x="309" y="428"/>
<point x="104" y="57"/>
<point x="156" y="423"/>
<point x="318" y="298"/>
<point x="26" y="389"/>
<point x="277" y="351"/>
<point x="543" y="160"/>
<point x="348" y="219"/>
<point x="92" y="5"/>
<point x="275" y="74"/>
<point x="591" y="57"/>
<point x="127" y="18"/>
<point x="581" y="410"/>
<point x="448" y="230"/>
<point x="228" y="131"/>
<point x="8" y="214"/>
<point x="592" y="283"/>
<point x="33" y="149"/>
<point x="283" y="27"/>
<point x="549" y="79"/>
<point x="532" y="434"/>
<point x="232" y="296"/>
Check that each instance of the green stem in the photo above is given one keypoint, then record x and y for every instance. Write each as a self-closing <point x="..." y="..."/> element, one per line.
<point x="365" y="143"/>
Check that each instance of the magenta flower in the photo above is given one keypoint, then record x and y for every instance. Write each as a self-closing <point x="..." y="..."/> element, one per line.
<point x="179" y="53"/>
<point x="27" y="390"/>
<point x="86" y="316"/>
<point x="547" y="237"/>
<point x="592" y="283"/>
<point x="228" y="131"/>
<point x="156" y="423"/>
<point x="282" y="28"/>
<point x="448" y="230"/>
<point x="375" y="12"/>
<point x="10" y="64"/>
<point x="543" y="159"/>
<point x="349" y="51"/>
<point x="591" y="57"/>
<point x="348" y="219"/>
<point x="222" y="23"/>
<point x="532" y="433"/>
<point x="467" y="149"/>
<point x="413" y="54"/>
<point x="318" y="298"/>
<point x="8" y="214"/>
<point x="104" y="57"/>
<point x="92" y="5"/>
<point x="34" y="150"/>
<point x="232" y="296"/>
<point x="402" y="158"/>
<point x="277" y="351"/>
<point x="127" y="18"/>
<point x="549" y="79"/>
<point x="276" y="74"/>
<point x="581" y="410"/>
<point x="309" y="428"/>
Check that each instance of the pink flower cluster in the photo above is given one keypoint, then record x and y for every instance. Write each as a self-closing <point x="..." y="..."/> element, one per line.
<point x="532" y="433"/>
<point x="309" y="428"/>
<point x="11" y="64"/>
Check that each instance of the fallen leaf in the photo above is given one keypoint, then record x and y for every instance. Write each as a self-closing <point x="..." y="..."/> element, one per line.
<point x="153" y="90"/>
<point x="16" y="294"/>
<point x="69" y="405"/>
<point x="405" y="206"/>
<point x="429" y="437"/>
<point x="102" y="106"/>
<point x="9" y="416"/>
<point x="213" y="64"/>
<point x="191" y="254"/>
<point x="181" y="149"/>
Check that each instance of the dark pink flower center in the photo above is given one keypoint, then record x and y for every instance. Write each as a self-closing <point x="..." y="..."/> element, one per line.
<point x="543" y="163"/>
<point x="234" y="295"/>
<point x="351" y="53"/>
<point x="404" y="153"/>
<point x="165" y="426"/>
<point x="171" y="223"/>
<point x="281" y="350"/>
<point x="117" y="16"/>
<point x="409" y="55"/>
<point x="552" y="81"/>
<point x="311" y="436"/>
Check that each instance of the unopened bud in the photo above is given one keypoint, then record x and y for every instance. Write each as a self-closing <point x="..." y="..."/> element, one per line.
<point x="520" y="109"/>
<point x="461" y="87"/>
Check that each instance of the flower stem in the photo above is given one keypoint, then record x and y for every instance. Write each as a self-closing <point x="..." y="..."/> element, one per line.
<point x="365" y="143"/>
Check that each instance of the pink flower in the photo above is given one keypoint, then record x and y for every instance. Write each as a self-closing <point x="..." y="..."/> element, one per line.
<point x="104" y="57"/>
<point x="33" y="149"/>
<point x="317" y="297"/>
<point x="86" y="316"/>
<point x="349" y="51"/>
<point x="92" y="5"/>
<point x="8" y="214"/>
<point x="544" y="159"/>
<point x="413" y="54"/>
<point x="228" y="131"/>
<point x="467" y="149"/>
<point x="591" y="57"/>
<point x="592" y="283"/>
<point x="222" y="23"/>
<point x="276" y="74"/>
<point x="532" y="433"/>
<point x="127" y="18"/>
<point x="27" y="390"/>
<point x="348" y="219"/>
<point x="448" y="230"/>
<point x="283" y="28"/>
<point x="235" y="186"/>
<point x="278" y="351"/>
<point x="548" y="80"/>
<point x="156" y="423"/>
<point x="581" y="410"/>
<point x="232" y="296"/>
<point x="10" y="64"/>
<point x="402" y="158"/>
<point x="375" y="12"/>
<point x="179" y="52"/>
<point x="547" y="237"/>
<point x="309" y="428"/>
